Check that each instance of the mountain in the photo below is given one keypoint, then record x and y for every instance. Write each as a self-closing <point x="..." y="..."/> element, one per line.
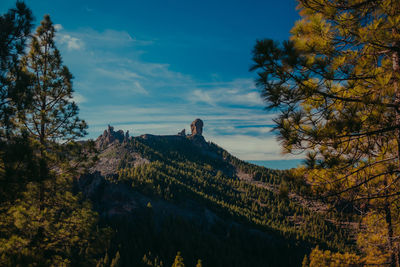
<point x="164" y="194"/>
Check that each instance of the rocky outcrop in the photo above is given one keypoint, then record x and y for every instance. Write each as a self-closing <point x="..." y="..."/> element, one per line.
<point x="109" y="136"/>
<point x="182" y="133"/>
<point x="197" y="127"/>
<point x="197" y="134"/>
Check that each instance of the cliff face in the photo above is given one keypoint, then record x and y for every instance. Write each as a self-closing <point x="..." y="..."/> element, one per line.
<point x="110" y="136"/>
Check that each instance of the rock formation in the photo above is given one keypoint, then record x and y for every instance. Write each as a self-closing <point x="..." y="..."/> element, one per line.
<point x="182" y="133"/>
<point x="109" y="136"/>
<point x="197" y="127"/>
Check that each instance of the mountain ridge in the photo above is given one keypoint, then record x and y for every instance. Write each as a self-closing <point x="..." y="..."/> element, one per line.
<point x="182" y="182"/>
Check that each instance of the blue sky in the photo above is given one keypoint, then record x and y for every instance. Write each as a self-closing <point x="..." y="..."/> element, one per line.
<point x="154" y="66"/>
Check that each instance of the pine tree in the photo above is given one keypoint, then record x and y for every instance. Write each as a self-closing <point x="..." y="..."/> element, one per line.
<point x="178" y="262"/>
<point x="305" y="262"/>
<point x="47" y="224"/>
<point x="116" y="262"/>
<point x="15" y="160"/>
<point x="53" y="118"/>
<point x="336" y="85"/>
<point x="15" y="27"/>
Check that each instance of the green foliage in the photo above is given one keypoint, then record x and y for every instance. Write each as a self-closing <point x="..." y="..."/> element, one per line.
<point x="68" y="228"/>
<point x="116" y="261"/>
<point x="15" y="89"/>
<point x="184" y="176"/>
<point x="327" y="258"/>
<point x="149" y="260"/>
<point x="283" y="191"/>
<point x="43" y="222"/>
<point x="178" y="262"/>
<point x="305" y="262"/>
<point x="52" y="119"/>
<point x="336" y="86"/>
<point x="193" y="177"/>
<point x="16" y="161"/>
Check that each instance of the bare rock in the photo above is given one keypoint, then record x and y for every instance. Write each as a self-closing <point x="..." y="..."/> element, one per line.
<point x="182" y="133"/>
<point x="197" y="127"/>
<point x="109" y="136"/>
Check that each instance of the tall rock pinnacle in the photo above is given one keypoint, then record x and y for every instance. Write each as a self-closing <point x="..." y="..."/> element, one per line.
<point x="197" y="127"/>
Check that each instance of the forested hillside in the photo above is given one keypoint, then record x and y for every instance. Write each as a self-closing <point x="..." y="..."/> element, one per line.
<point x="165" y="194"/>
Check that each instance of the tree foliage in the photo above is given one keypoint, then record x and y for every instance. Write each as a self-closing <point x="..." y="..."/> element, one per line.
<point x="15" y="89"/>
<point x="336" y="86"/>
<point x="15" y="27"/>
<point x="42" y="220"/>
<point x="327" y="258"/>
<point x="53" y="115"/>
<point x="178" y="262"/>
<point x="52" y="120"/>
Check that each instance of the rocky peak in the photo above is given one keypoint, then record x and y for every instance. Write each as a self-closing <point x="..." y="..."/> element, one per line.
<point x="197" y="127"/>
<point x="182" y="133"/>
<point x="109" y="136"/>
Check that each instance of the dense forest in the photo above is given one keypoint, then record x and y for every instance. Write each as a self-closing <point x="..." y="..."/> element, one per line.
<point x="179" y="200"/>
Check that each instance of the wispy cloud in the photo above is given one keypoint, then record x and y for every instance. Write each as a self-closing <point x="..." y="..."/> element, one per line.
<point x="88" y="9"/>
<point x="119" y="74"/>
<point x="79" y="99"/>
<point x="90" y="38"/>
<point x="202" y="96"/>
<point x="237" y="92"/>
<point x="110" y="38"/>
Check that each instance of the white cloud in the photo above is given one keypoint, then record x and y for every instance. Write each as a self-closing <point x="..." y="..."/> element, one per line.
<point x="58" y="27"/>
<point x="72" y="43"/>
<point x="78" y="98"/>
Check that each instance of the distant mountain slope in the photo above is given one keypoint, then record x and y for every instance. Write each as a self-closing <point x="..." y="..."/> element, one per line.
<point x="163" y="194"/>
